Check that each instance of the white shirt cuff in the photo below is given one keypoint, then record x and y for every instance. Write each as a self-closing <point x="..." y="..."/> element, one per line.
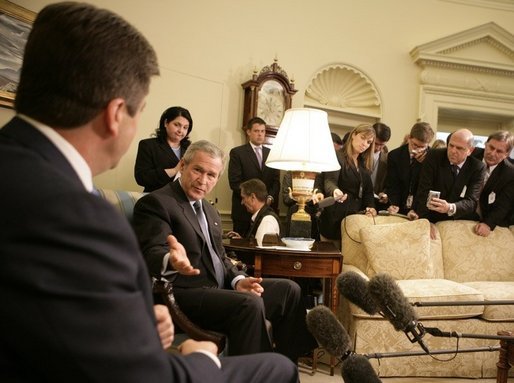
<point x="235" y="280"/>
<point x="452" y="210"/>
<point x="165" y="265"/>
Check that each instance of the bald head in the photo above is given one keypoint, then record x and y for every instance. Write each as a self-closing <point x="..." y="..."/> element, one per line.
<point x="460" y="146"/>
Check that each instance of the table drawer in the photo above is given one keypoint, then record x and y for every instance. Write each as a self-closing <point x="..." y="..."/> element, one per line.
<point x="299" y="266"/>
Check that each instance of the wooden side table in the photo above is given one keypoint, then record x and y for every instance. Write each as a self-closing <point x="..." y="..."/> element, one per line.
<point x="324" y="260"/>
<point x="506" y="359"/>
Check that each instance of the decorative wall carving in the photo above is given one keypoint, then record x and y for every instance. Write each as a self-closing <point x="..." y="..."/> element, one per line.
<point x="342" y="88"/>
<point x="470" y="70"/>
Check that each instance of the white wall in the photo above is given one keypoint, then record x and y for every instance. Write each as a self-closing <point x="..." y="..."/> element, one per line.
<point x="208" y="48"/>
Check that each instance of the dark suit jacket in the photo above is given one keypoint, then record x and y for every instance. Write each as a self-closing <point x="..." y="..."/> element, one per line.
<point x="76" y="298"/>
<point x="168" y="211"/>
<point x="436" y="175"/>
<point x="242" y="166"/>
<point x="379" y="185"/>
<point x="349" y="180"/>
<point x="153" y="156"/>
<point x="501" y="183"/>
<point x="402" y="177"/>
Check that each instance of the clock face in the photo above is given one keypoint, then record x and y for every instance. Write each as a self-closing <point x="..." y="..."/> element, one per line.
<point x="271" y="102"/>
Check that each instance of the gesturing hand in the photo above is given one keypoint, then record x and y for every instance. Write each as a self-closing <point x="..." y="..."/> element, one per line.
<point x="251" y="285"/>
<point x="178" y="258"/>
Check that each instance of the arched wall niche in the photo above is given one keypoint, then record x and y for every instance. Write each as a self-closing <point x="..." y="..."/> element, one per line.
<point x="346" y="94"/>
<point x="467" y="80"/>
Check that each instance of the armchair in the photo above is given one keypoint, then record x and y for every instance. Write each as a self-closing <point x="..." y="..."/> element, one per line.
<point x="124" y="201"/>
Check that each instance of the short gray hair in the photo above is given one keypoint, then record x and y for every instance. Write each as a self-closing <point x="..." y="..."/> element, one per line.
<point x="207" y="147"/>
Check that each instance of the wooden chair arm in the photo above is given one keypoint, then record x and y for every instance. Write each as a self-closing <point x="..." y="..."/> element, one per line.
<point x="165" y="290"/>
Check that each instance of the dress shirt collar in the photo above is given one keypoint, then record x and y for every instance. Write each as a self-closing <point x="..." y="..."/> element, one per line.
<point x="255" y="146"/>
<point x="77" y="162"/>
<point x="488" y="168"/>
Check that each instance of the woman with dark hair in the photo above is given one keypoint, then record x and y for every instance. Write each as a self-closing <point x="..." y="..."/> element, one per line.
<point x="158" y="157"/>
<point x="351" y="186"/>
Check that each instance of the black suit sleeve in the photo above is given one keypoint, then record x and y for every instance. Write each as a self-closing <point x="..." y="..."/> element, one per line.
<point x="498" y="212"/>
<point x="79" y="297"/>
<point x="392" y="180"/>
<point x="150" y="163"/>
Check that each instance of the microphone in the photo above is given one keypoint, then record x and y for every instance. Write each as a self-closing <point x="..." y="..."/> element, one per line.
<point x="357" y="368"/>
<point x="396" y="308"/>
<point x="326" y="202"/>
<point x="332" y="336"/>
<point x="328" y="331"/>
<point x="355" y="288"/>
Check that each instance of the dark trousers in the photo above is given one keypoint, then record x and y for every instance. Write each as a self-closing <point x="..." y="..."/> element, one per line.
<point x="241" y="316"/>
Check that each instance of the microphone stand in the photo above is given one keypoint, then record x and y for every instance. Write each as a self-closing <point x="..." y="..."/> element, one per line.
<point x="463" y="303"/>
<point x="434" y="331"/>
<point x="380" y="355"/>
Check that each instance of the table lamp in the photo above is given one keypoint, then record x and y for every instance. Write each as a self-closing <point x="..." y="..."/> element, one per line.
<point x="303" y="145"/>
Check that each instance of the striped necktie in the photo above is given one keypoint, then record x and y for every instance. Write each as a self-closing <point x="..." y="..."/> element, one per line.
<point x="218" y="267"/>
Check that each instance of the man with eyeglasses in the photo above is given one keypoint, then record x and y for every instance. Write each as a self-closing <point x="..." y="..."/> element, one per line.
<point x="455" y="175"/>
<point x="496" y="204"/>
<point x="403" y="168"/>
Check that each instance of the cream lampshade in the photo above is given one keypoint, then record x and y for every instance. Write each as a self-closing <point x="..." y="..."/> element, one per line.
<point x="303" y="146"/>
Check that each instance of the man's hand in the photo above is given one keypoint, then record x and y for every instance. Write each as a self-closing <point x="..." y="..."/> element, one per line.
<point x="393" y="209"/>
<point x="439" y="205"/>
<point x="317" y="197"/>
<point x="482" y="229"/>
<point x="178" y="258"/>
<point x="412" y="215"/>
<point x="371" y="212"/>
<point x="382" y="197"/>
<point x="250" y="285"/>
<point x="420" y="157"/>
<point x="233" y="234"/>
<point x="189" y="346"/>
<point x="339" y="196"/>
<point x="164" y="325"/>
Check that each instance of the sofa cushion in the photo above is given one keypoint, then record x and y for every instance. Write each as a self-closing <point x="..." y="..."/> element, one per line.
<point x="441" y="290"/>
<point x="469" y="257"/>
<point x="351" y="243"/>
<point x="401" y="250"/>
<point x="495" y="291"/>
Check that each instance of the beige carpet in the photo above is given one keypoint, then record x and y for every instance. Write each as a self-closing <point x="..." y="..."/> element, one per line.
<point x="323" y="376"/>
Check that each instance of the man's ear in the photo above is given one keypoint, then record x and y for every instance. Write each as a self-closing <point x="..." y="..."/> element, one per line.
<point x="114" y="114"/>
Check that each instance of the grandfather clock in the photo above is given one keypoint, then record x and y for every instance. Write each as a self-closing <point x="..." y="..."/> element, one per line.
<point x="268" y="95"/>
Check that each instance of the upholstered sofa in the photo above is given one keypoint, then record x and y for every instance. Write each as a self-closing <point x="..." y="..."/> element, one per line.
<point x="457" y="266"/>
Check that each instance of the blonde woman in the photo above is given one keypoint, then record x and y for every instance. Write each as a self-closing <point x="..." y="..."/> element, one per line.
<point x="351" y="186"/>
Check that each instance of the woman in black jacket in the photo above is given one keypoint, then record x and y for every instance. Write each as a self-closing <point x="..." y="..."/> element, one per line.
<point x="158" y="157"/>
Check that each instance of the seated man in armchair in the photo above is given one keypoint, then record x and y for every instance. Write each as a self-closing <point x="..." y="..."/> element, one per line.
<point x="218" y="297"/>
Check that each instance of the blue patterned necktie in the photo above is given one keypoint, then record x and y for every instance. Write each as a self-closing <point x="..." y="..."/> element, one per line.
<point x="218" y="267"/>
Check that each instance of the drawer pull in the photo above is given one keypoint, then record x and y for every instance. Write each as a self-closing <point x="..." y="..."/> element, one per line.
<point x="297" y="265"/>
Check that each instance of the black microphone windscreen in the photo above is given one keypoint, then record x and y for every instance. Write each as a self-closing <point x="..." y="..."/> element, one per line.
<point x="357" y="369"/>
<point x="355" y="288"/>
<point x="392" y="302"/>
<point x="328" y="331"/>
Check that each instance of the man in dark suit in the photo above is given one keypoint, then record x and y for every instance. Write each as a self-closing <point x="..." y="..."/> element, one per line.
<point x="496" y="204"/>
<point x="379" y="169"/>
<point x="219" y="297"/>
<point x="246" y="162"/>
<point x="76" y="296"/>
<point x="456" y="175"/>
<point x="403" y="168"/>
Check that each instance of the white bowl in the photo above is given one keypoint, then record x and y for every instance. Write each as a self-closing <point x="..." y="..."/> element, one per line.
<point x="298" y="243"/>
